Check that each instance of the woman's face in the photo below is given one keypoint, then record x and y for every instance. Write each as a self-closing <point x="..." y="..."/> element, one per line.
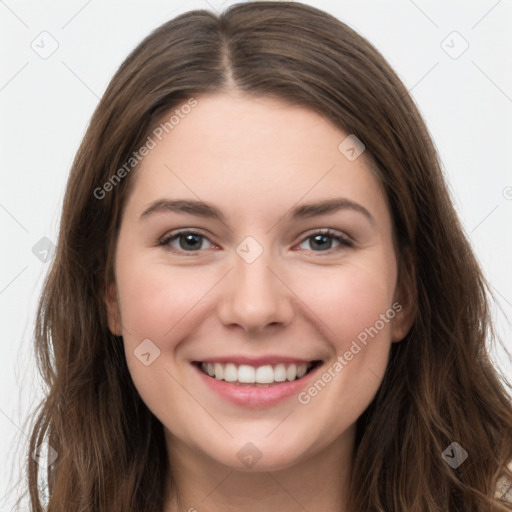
<point x="261" y="293"/>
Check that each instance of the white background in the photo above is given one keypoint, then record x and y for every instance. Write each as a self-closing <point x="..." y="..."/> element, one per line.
<point x="46" y="104"/>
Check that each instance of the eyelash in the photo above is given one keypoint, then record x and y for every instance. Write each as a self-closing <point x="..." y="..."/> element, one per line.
<point x="343" y="241"/>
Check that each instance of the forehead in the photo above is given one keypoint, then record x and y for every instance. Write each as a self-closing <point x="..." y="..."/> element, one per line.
<point x="259" y="152"/>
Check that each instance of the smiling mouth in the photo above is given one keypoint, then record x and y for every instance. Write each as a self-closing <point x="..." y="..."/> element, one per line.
<point x="260" y="376"/>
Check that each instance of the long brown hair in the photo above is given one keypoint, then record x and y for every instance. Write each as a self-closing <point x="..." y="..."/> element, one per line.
<point x="440" y="386"/>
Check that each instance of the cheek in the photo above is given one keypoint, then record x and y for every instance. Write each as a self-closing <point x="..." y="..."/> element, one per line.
<point x="155" y="297"/>
<point x="355" y="306"/>
<point x="157" y="304"/>
<point x="351" y="301"/>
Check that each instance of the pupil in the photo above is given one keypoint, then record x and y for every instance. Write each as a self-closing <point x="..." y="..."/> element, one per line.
<point x="321" y="245"/>
<point x="189" y="238"/>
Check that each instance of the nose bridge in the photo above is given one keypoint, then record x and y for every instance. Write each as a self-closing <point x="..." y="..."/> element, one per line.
<point x="254" y="297"/>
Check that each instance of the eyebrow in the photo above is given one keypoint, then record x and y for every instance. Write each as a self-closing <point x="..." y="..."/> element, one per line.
<point x="206" y="210"/>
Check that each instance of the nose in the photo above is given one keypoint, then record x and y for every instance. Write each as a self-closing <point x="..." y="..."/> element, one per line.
<point x="255" y="296"/>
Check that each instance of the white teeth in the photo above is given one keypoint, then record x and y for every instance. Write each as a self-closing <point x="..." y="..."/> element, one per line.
<point x="280" y="372"/>
<point x="291" y="372"/>
<point x="218" y="371"/>
<point x="230" y="373"/>
<point x="301" y="370"/>
<point x="265" y="374"/>
<point x="247" y="374"/>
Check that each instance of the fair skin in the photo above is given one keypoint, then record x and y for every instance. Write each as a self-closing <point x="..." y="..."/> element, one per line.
<point x="303" y="298"/>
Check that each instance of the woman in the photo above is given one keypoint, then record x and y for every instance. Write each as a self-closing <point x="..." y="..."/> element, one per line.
<point x="262" y="298"/>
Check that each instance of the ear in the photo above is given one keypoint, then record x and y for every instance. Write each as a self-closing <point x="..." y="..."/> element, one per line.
<point x="113" y="311"/>
<point x="405" y="299"/>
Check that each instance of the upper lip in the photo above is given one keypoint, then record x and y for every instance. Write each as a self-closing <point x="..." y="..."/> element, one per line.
<point x="255" y="361"/>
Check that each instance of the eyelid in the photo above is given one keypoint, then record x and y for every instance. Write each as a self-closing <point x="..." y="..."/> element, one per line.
<point x="164" y="240"/>
<point x="342" y="238"/>
<point x="326" y="231"/>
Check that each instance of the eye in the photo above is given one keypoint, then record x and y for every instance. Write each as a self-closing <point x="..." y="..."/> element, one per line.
<point x="191" y="241"/>
<point x="322" y="240"/>
<point x="188" y="241"/>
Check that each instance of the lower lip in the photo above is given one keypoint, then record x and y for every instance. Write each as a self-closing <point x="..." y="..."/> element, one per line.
<point x="257" y="397"/>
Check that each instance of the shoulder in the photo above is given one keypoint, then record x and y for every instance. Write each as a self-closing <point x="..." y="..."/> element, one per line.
<point x="504" y="486"/>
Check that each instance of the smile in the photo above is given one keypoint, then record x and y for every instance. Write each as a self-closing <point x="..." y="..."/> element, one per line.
<point x="256" y="382"/>
<point x="266" y="375"/>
